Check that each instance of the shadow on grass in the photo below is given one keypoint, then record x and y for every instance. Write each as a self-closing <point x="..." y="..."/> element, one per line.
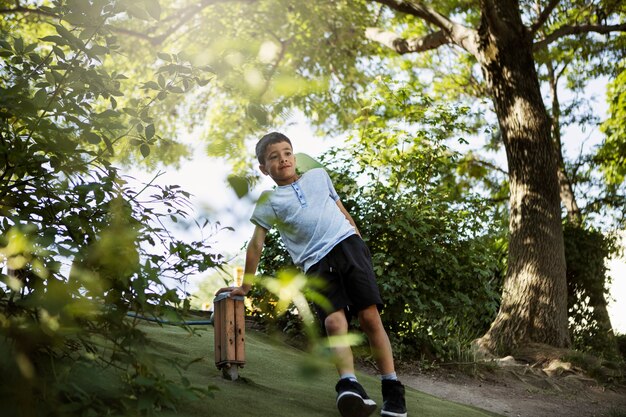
<point x="278" y="380"/>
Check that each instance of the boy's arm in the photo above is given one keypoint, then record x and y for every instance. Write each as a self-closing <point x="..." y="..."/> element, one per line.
<point x="350" y="219"/>
<point x="253" y="256"/>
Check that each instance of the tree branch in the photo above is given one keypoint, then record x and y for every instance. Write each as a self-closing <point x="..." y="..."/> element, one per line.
<point x="543" y="16"/>
<point x="450" y="32"/>
<point x="485" y="163"/>
<point x="284" y="44"/>
<point x="25" y="10"/>
<point x="405" y="46"/>
<point x="577" y="30"/>
<point x="186" y="16"/>
<point x="420" y="10"/>
<point x="145" y="35"/>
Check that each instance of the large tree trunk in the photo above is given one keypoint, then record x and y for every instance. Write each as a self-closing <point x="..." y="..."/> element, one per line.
<point x="534" y="299"/>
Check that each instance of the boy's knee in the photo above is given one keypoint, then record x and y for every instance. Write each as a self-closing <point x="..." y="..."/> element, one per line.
<point x="369" y="319"/>
<point x="336" y="323"/>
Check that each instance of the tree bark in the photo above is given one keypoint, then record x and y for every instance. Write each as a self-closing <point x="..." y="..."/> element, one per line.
<point x="534" y="299"/>
<point x="565" y="185"/>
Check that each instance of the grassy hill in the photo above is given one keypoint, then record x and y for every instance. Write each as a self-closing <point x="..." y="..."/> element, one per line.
<point x="278" y="380"/>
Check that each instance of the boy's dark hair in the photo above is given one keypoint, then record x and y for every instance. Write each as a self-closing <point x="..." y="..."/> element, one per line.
<point x="267" y="140"/>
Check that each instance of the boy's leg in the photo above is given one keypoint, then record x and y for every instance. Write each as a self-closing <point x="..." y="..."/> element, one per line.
<point x="394" y="404"/>
<point x="336" y="324"/>
<point x="352" y="400"/>
<point x="372" y="326"/>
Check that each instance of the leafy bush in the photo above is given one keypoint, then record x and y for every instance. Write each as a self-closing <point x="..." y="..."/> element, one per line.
<point x="586" y="251"/>
<point x="80" y="245"/>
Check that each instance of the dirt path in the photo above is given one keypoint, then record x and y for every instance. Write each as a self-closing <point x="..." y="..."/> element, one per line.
<point x="520" y="392"/>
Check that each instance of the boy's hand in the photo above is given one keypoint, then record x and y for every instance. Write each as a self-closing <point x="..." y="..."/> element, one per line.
<point x="234" y="291"/>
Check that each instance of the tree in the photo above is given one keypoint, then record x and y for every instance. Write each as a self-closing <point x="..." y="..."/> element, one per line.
<point x="534" y="303"/>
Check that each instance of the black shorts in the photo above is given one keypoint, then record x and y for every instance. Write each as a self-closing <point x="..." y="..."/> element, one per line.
<point x="348" y="278"/>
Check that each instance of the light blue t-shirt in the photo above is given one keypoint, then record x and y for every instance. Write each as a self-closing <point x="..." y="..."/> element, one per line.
<point x="306" y="215"/>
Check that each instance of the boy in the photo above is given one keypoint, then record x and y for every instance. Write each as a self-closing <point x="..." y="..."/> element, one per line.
<point x="323" y="240"/>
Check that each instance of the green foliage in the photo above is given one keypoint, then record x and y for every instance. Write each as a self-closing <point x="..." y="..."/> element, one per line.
<point x="432" y="253"/>
<point x="82" y="246"/>
<point x="611" y="153"/>
<point x="266" y="59"/>
<point x="275" y="258"/>
<point x="210" y="283"/>
<point x="586" y="251"/>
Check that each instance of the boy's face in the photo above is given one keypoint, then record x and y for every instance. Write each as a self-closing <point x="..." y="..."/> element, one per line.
<point x="280" y="163"/>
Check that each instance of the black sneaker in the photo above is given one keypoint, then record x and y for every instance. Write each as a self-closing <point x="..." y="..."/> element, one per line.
<point x="352" y="400"/>
<point x="393" y="399"/>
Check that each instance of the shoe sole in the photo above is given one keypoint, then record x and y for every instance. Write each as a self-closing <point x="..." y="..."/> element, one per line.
<point x="392" y="414"/>
<point x="352" y="405"/>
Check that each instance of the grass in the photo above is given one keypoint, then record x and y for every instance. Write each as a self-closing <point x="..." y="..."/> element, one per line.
<point x="277" y="380"/>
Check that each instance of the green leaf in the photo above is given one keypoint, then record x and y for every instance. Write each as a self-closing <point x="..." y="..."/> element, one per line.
<point x="59" y="52"/>
<point x="154" y="8"/>
<point x="50" y="78"/>
<point x="87" y="33"/>
<point x="258" y="113"/>
<point x="66" y="34"/>
<point x="164" y="56"/>
<point x="130" y="111"/>
<point x="18" y="45"/>
<point x="91" y="138"/>
<point x="151" y="85"/>
<point x="109" y="145"/>
<point x="55" y="39"/>
<point x="77" y="19"/>
<point x="175" y="89"/>
<point x="239" y="184"/>
<point x="304" y="162"/>
<point x="41" y="97"/>
<point x="145" y="116"/>
<point x="109" y="113"/>
<point x="99" y="50"/>
<point x="145" y="150"/>
<point x="149" y="131"/>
